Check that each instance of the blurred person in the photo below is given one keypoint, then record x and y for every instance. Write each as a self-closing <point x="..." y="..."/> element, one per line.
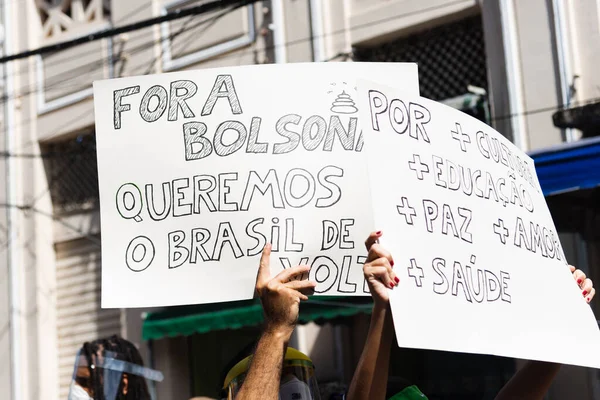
<point x="371" y="376"/>
<point x="110" y="369"/>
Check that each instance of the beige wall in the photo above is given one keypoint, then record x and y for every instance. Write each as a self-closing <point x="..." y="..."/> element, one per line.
<point x="379" y="21"/>
<point x="537" y="53"/>
<point x="5" y="335"/>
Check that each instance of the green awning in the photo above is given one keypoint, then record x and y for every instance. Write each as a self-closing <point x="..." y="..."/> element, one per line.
<point x="187" y="320"/>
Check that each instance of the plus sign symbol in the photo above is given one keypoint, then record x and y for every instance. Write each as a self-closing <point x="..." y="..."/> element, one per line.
<point x="418" y="166"/>
<point x="501" y="231"/>
<point x="406" y="210"/>
<point x="462" y="138"/>
<point x="416" y="272"/>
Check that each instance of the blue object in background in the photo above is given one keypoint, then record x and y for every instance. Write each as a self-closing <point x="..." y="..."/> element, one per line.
<point x="569" y="166"/>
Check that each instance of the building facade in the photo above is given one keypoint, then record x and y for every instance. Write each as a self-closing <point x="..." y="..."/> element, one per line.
<point x="511" y="63"/>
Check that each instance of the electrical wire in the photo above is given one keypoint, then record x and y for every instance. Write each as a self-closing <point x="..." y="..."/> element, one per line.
<point x="110" y="32"/>
<point x="362" y="26"/>
<point x="58" y="81"/>
<point x="26" y="208"/>
<point x="58" y="131"/>
<point x="310" y="37"/>
<point x="133" y="51"/>
<point x="31" y="206"/>
<point x="60" y="173"/>
<point x="136" y="11"/>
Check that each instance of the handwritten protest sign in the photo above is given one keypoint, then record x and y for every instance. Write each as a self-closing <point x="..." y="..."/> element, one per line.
<point x="199" y="169"/>
<point x="482" y="269"/>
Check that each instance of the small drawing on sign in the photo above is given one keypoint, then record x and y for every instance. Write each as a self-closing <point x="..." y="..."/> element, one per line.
<point x="343" y="104"/>
<point x="501" y="231"/>
<point x="407" y="211"/>
<point x="418" y="166"/>
<point x="463" y="138"/>
<point x="416" y="272"/>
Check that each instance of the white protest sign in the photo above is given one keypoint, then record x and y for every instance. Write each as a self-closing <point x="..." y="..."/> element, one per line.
<point x="461" y="210"/>
<point x="199" y="169"/>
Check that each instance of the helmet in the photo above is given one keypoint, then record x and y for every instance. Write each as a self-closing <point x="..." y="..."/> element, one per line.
<point x="298" y="381"/>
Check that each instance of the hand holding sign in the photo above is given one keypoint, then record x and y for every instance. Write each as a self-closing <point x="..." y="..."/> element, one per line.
<point x="378" y="270"/>
<point x="585" y="284"/>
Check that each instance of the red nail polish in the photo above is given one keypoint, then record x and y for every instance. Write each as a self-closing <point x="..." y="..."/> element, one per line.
<point x="378" y="233"/>
<point x="391" y="285"/>
<point x="392" y="263"/>
<point x="588" y="299"/>
<point x="579" y="281"/>
<point x="584" y="292"/>
<point x="397" y="279"/>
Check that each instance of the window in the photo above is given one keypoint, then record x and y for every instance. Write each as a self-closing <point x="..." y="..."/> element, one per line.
<point x="72" y="173"/>
<point x="451" y="57"/>
<point x="65" y="76"/>
<point x="188" y="41"/>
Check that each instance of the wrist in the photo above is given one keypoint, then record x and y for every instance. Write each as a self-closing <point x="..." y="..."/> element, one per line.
<point x="279" y="331"/>
<point x="381" y="316"/>
<point x="381" y="308"/>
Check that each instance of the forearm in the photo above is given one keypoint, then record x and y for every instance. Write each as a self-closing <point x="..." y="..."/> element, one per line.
<point x="371" y="375"/>
<point x="264" y="375"/>
<point x="531" y="382"/>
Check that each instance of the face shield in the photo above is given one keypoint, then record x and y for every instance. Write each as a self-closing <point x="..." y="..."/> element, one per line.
<point x="106" y="377"/>
<point x="298" y="381"/>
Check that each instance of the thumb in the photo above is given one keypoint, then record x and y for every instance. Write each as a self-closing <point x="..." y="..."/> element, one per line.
<point x="264" y="268"/>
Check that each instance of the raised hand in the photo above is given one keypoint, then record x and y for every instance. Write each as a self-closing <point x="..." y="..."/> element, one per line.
<point x="281" y="295"/>
<point x="378" y="269"/>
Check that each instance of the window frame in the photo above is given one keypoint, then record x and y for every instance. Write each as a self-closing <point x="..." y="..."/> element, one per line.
<point x="170" y="64"/>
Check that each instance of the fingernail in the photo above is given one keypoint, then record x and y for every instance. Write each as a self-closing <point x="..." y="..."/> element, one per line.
<point x="392" y="263"/>
<point x="579" y="281"/>
<point x="378" y="233"/>
<point x="588" y="299"/>
<point x="391" y="285"/>
<point x="397" y="279"/>
<point x="584" y="292"/>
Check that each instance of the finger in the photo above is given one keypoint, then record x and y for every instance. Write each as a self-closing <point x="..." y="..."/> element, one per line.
<point x="380" y="273"/>
<point x="297" y="294"/>
<point x="587" y="287"/>
<point x="302" y="296"/>
<point x="264" y="267"/>
<point x="372" y="239"/>
<point x="591" y="295"/>
<point x="289" y="273"/>
<point x="308" y="291"/>
<point x="572" y="268"/>
<point x="384" y="262"/>
<point x="378" y="251"/>
<point x="300" y="285"/>
<point x="579" y="276"/>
